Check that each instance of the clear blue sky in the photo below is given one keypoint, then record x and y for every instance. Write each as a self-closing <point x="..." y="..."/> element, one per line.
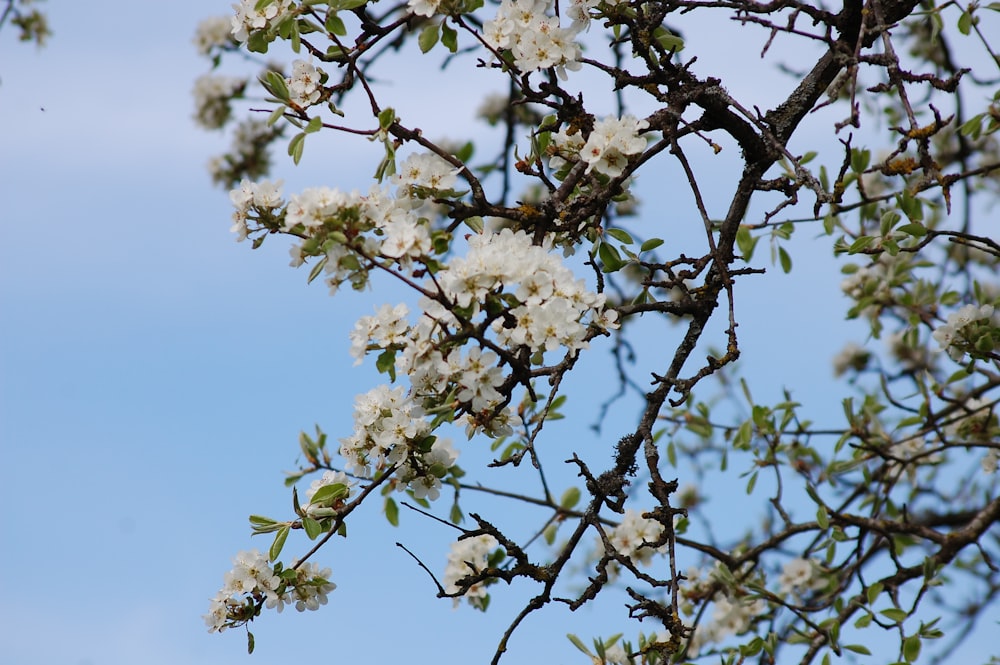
<point x="154" y="375"/>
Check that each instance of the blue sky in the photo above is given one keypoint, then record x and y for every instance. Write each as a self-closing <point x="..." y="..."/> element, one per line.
<point x="154" y="374"/>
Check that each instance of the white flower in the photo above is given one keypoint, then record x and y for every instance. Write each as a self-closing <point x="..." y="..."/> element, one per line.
<point x="611" y="142"/>
<point x="990" y="460"/>
<point x="949" y="335"/>
<point x="424" y="7"/>
<point x="427" y="170"/>
<point x="631" y="538"/>
<point x="304" y="84"/>
<point x="248" y="19"/>
<point x="468" y="557"/>
<point x="212" y="95"/>
<point x="213" y="32"/>
<point x="797" y="576"/>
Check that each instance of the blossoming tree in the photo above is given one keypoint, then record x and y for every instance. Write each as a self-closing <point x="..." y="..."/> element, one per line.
<point x="873" y="530"/>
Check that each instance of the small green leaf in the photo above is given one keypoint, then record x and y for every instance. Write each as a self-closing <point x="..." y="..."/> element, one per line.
<point x="328" y="494"/>
<point x="386" y="117"/>
<point x="611" y="260"/>
<point x="250" y="642"/>
<point x="965" y="23"/>
<point x="650" y="244"/>
<point x="315" y="124"/>
<point x="579" y="644"/>
<point x="911" y="648"/>
<point x="746" y="243"/>
<point x="279" y="542"/>
<point x="429" y="37"/>
<point x="391" y="511"/>
<point x="858" y="648"/>
<point x="785" y="260"/>
<point x="335" y="25"/>
<point x="570" y="498"/>
<point x="621" y="235"/>
<point x="894" y="614"/>
<point x="456" y="516"/>
<point x="311" y="527"/>
<point x="822" y="519"/>
<point x="449" y="37"/>
<point x="295" y="147"/>
<point x="275" y="84"/>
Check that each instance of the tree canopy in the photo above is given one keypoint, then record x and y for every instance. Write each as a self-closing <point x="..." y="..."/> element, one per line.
<point x="527" y="248"/>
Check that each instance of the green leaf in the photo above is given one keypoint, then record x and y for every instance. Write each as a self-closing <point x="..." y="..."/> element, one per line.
<point x="428" y="37"/>
<point x="621" y="235"/>
<point x="965" y="23"/>
<point x="295" y="147"/>
<point x="578" y="644"/>
<point x="315" y="124"/>
<point x="752" y="482"/>
<point x="861" y="244"/>
<point x="279" y="542"/>
<point x="275" y="84"/>
<point x="873" y="592"/>
<point x="311" y="527"/>
<point x="570" y="498"/>
<point x="611" y="260"/>
<point x="348" y="4"/>
<point x="391" y="511"/>
<point x="858" y="648"/>
<point x="334" y="24"/>
<point x="915" y="230"/>
<point x="785" y="260"/>
<point x="250" y="642"/>
<point x="821" y="518"/>
<point x="911" y="648"/>
<point x="386" y="117"/>
<point x="456" y="516"/>
<point x="864" y="621"/>
<point x="746" y="243"/>
<point x="328" y="494"/>
<point x="386" y="363"/>
<point x="894" y="614"/>
<point x="449" y="37"/>
<point x="652" y="243"/>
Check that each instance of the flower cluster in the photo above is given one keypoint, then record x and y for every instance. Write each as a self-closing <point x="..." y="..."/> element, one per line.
<point x="607" y="148"/>
<point x="799" y="576"/>
<point x="212" y="95"/>
<point x="386" y="424"/>
<point x="534" y="38"/>
<point x="732" y="613"/>
<point x="253" y="583"/>
<point x="963" y="331"/>
<point x="632" y="537"/>
<point x="249" y="19"/>
<point x="427" y="170"/>
<point x="212" y="33"/>
<point x="468" y="557"/>
<point x="611" y="142"/>
<point x="249" y="154"/>
<point x="304" y="84"/>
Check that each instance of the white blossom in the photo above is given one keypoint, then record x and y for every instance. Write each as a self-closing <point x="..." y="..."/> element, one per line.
<point x="799" y="575"/>
<point x="304" y="84"/>
<point x="247" y="19"/>
<point x="213" y="32"/>
<point x="427" y="170"/>
<point x="611" y="142"/>
<point x="467" y="557"/>
<point x="949" y="335"/>
<point x="212" y="95"/>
